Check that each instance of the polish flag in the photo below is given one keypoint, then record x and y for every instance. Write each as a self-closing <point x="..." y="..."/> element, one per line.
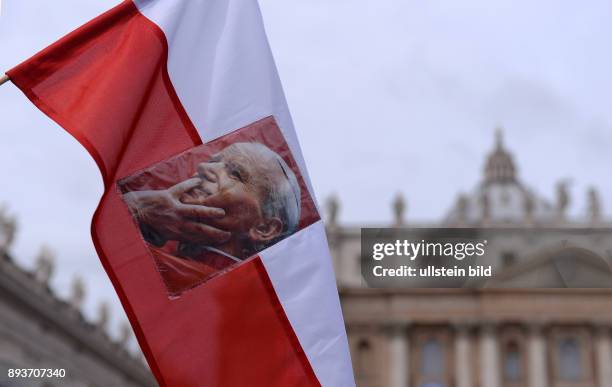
<point x="156" y="86"/>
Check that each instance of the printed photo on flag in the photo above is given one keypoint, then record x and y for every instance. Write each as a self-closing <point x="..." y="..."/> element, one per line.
<point x="253" y="195"/>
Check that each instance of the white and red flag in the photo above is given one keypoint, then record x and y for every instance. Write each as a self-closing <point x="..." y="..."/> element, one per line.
<point x="207" y="227"/>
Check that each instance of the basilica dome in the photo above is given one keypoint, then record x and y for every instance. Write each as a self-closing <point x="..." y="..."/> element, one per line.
<point x="500" y="198"/>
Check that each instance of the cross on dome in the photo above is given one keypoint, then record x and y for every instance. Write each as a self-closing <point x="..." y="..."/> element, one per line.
<point x="499" y="167"/>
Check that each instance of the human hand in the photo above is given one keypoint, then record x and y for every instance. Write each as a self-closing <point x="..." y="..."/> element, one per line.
<point x="173" y="220"/>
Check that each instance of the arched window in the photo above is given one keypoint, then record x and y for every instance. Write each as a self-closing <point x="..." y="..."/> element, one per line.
<point x="513" y="362"/>
<point x="432" y="358"/>
<point x="570" y="359"/>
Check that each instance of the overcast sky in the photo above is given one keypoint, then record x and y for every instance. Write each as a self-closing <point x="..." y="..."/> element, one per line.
<point x="387" y="96"/>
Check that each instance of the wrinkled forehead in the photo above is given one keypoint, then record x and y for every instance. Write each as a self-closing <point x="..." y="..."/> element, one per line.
<point x="254" y="156"/>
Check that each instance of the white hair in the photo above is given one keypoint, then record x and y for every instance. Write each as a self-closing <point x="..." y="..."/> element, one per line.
<point x="281" y="194"/>
<point x="283" y="198"/>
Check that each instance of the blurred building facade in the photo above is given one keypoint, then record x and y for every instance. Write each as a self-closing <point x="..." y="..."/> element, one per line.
<point x="40" y="330"/>
<point x="503" y="333"/>
<point x="493" y="335"/>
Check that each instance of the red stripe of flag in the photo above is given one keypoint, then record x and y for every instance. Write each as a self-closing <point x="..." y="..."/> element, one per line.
<point x="107" y="84"/>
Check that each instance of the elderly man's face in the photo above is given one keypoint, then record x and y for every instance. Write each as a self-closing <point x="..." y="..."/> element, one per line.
<point x="236" y="179"/>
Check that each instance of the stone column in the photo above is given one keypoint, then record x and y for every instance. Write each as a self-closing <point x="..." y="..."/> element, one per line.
<point x="346" y="262"/>
<point x="463" y="356"/>
<point x="537" y="373"/>
<point x="489" y="357"/>
<point x="399" y="362"/>
<point x="604" y="357"/>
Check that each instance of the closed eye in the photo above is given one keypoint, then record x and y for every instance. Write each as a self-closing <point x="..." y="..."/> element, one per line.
<point x="235" y="172"/>
<point x="237" y="175"/>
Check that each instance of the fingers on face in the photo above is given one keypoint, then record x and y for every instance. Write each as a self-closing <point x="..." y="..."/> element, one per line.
<point x="201" y="169"/>
<point x="202" y="233"/>
<point x="198" y="200"/>
<point x="215" y="200"/>
<point x="186" y="185"/>
<point x="200" y="212"/>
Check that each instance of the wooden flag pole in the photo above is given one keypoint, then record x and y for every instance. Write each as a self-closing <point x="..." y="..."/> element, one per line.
<point x="4" y="79"/>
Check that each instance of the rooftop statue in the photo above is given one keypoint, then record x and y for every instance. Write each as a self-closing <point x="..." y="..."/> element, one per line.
<point x="563" y="199"/>
<point x="103" y="315"/>
<point x="77" y="295"/>
<point x="8" y="228"/>
<point x="45" y="265"/>
<point x="594" y="205"/>
<point x="333" y="208"/>
<point x="399" y="207"/>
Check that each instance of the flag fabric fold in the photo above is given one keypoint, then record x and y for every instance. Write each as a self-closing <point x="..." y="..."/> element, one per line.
<point x="161" y="89"/>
